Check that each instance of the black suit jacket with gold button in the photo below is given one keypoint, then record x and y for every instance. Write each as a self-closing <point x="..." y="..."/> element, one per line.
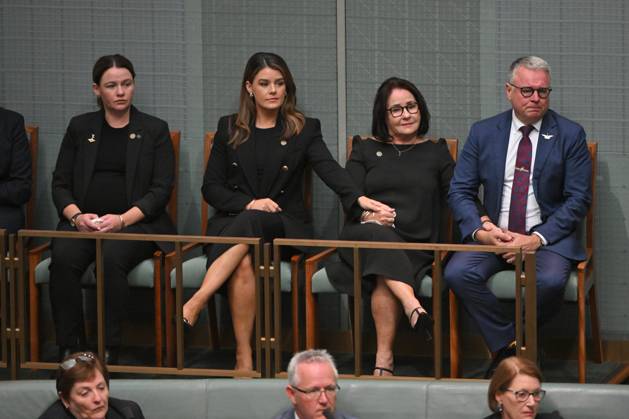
<point x="230" y="179"/>
<point x="150" y="168"/>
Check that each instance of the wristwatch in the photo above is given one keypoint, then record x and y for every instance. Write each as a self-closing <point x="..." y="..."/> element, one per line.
<point x="73" y="218"/>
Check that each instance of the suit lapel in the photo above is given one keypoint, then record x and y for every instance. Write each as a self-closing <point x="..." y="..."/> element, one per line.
<point x="500" y="149"/>
<point x="247" y="160"/>
<point x="89" y="147"/>
<point x="547" y="137"/>
<point x="134" y="146"/>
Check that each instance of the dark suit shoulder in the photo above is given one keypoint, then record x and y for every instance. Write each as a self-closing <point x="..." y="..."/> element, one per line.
<point x="148" y="119"/>
<point x="565" y="124"/>
<point x="128" y="409"/>
<point x="493" y="120"/>
<point x="11" y="117"/>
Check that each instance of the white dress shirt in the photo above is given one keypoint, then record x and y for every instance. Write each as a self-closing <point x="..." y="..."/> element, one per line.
<point x="533" y="213"/>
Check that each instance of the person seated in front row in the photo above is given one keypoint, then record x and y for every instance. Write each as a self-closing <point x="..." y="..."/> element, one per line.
<point x="83" y="390"/>
<point x="115" y="172"/>
<point x="515" y="391"/>
<point x="15" y="170"/>
<point x="411" y="173"/>
<point x="254" y="181"/>
<point x="534" y="168"/>
<point x="312" y="387"/>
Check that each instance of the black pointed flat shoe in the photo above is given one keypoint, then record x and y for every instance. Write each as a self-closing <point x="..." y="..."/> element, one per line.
<point x="424" y="323"/>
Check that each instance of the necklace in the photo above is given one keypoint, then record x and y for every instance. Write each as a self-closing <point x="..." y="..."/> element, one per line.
<point x="399" y="152"/>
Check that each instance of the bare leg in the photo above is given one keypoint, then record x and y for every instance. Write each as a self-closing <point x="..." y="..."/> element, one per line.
<point x="385" y="310"/>
<point x="242" y="303"/>
<point x="405" y="294"/>
<point x="215" y="277"/>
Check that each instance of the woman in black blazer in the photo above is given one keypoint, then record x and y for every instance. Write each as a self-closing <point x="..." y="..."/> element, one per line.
<point x="114" y="173"/>
<point x="254" y="181"/>
<point x="15" y="170"/>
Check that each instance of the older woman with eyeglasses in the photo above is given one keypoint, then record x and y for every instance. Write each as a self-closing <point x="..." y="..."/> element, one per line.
<point x="83" y="389"/>
<point x="515" y="391"/>
<point x="403" y="168"/>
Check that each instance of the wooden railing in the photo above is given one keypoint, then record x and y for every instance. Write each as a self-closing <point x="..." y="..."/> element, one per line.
<point x="268" y="337"/>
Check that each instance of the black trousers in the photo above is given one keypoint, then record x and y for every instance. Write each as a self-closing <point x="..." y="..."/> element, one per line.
<point x="69" y="260"/>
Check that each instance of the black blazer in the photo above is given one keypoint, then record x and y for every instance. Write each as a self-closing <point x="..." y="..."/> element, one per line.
<point x="15" y="170"/>
<point x="118" y="408"/>
<point x="230" y="178"/>
<point x="150" y="168"/>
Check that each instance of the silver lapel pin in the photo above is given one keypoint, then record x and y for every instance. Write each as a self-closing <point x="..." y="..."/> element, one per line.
<point x="547" y="136"/>
<point x="92" y="139"/>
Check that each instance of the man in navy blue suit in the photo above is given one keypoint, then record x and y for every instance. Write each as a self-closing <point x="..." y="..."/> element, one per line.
<point x="535" y="169"/>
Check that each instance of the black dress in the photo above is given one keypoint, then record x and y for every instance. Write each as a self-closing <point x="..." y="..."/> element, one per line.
<point x="267" y="166"/>
<point x="412" y="179"/>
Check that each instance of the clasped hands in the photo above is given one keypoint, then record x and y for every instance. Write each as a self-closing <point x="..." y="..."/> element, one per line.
<point x="491" y="234"/>
<point x="376" y="212"/>
<point x="89" y="222"/>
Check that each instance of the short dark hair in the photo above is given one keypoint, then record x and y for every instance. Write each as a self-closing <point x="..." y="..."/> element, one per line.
<point x="84" y="367"/>
<point x="106" y="62"/>
<point x="507" y="370"/>
<point x="379" y="128"/>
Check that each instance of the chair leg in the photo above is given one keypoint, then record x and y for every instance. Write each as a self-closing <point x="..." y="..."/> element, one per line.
<point x="34" y="320"/>
<point x="157" y="288"/>
<point x="581" y="333"/>
<point x="33" y="307"/>
<point x="213" y="324"/>
<point x="294" y="292"/>
<point x="169" y="314"/>
<point x="596" y="332"/>
<point x="311" y="308"/>
<point x="455" y="344"/>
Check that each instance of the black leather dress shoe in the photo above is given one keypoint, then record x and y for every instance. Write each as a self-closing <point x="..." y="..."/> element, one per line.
<point x="502" y="354"/>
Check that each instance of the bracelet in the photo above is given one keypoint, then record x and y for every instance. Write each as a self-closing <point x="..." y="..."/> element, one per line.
<point x="74" y="218"/>
<point x="122" y="223"/>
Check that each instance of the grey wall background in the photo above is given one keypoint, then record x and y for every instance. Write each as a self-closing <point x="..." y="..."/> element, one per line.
<point x="189" y="56"/>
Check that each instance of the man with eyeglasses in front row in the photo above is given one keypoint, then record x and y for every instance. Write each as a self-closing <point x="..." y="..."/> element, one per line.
<point x="312" y="386"/>
<point x="535" y="170"/>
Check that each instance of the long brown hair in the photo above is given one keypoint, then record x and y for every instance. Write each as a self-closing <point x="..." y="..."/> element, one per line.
<point x="292" y="119"/>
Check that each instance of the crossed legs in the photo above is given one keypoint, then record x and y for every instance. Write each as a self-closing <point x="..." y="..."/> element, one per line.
<point x="235" y="267"/>
<point x="388" y="299"/>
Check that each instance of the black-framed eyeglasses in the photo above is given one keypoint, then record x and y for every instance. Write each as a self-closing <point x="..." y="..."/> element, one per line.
<point x="70" y="363"/>
<point x="523" y="395"/>
<point x="527" y="91"/>
<point x="398" y="110"/>
<point x="315" y="393"/>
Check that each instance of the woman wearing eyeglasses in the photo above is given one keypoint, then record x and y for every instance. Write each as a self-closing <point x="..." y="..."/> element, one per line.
<point x="515" y="391"/>
<point x="401" y="167"/>
<point x="83" y="390"/>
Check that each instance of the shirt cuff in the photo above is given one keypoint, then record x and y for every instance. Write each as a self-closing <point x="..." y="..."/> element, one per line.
<point x="474" y="233"/>
<point x="544" y="241"/>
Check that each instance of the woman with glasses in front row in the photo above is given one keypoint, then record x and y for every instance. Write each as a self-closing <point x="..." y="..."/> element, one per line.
<point x="402" y="168"/>
<point x="83" y="390"/>
<point x="515" y="391"/>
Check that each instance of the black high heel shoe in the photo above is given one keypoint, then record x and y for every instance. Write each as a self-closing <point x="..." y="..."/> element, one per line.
<point x="187" y="326"/>
<point x="424" y="323"/>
